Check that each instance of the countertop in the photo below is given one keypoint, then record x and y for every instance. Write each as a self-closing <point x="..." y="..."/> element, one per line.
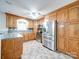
<point x="13" y="34"/>
<point x="10" y="35"/>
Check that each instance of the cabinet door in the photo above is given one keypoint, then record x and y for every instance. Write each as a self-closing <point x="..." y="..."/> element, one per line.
<point x="11" y="48"/>
<point x="15" y="21"/>
<point x="62" y="15"/>
<point x="10" y="21"/>
<point x="61" y="37"/>
<point x="31" y="24"/>
<point x="31" y="36"/>
<point x="7" y="49"/>
<point x="53" y="16"/>
<point x="26" y="37"/>
<point x="72" y="38"/>
<point x="74" y="14"/>
<point x="17" y="47"/>
<point x="73" y="47"/>
<point x="73" y="30"/>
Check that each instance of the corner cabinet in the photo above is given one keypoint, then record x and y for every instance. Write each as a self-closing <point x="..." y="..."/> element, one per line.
<point x="11" y="48"/>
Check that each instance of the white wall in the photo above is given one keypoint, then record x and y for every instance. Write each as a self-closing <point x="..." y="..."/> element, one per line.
<point x="2" y="22"/>
<point x="0" y="49"/>
<point x="2" y="26"/>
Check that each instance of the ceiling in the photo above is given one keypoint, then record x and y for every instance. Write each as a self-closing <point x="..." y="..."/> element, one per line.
<point x="32" y="9"/>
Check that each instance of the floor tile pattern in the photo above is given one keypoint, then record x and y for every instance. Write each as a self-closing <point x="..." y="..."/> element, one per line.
<point x="35" y="50"/>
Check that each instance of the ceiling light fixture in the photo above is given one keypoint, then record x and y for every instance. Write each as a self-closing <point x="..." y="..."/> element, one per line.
<point x="8" y="2"/>
<point x="35" y="15"/>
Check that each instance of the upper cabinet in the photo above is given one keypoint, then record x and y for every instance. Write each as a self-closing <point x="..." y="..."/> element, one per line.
<point x="62" y="15"/>
<point x="74" y="13"/>
<point x="11" y="22"/>
<point x="31" y="24"/>
<point x="52" y="16"/>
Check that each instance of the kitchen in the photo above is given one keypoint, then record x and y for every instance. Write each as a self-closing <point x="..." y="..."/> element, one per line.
<point x="50" y="33"/>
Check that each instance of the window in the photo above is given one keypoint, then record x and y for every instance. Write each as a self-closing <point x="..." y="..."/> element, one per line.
<point x="22" y="24"/>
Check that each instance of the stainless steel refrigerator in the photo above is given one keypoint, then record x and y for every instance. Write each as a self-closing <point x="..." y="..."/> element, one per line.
<point x="49" y="36"/>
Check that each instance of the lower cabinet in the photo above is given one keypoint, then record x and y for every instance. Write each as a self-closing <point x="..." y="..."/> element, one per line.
<point x="73" y="47"/>
<point x="28" y="36"/>
<point x="11" y="48"/>
<point x="68" y="39"/>
<point x="31" y="36"/>
<point x="73" y="38"/>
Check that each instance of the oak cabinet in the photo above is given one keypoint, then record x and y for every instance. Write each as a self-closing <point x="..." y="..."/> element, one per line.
<point x="53" y="16"/>
<point x="35" y="28"/>
<point x="60" y="37"/>
<point x="67" y="29"/>
<point x="68" y="38"/>
<point x="61" y="45"/>
<point x="31" y="36"/>
<point x="26" y="37"/>
<point x="10" y="21"/>
<point x="40" y="21"/>
<point x="73" y="30"/>
<point x="73" y="46"/>
<point x="74" y="14"/>
<point x="31" y="24"/>
<point x="18" y="42"/>
<point x="72" y="38"/>
<point x="11" y="48"/>
<point x="62" y="15"/>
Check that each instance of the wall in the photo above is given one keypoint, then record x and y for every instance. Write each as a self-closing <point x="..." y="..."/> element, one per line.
<point x="0" y="49"/>
<point x="2" y="26"/>
<point x="2" y="22"/>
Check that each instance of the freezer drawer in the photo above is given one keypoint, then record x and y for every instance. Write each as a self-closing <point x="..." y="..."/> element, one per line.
<point x="49" y="44"/>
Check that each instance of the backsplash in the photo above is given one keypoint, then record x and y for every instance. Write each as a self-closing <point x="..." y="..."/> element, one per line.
<point x="3" y="30"/>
